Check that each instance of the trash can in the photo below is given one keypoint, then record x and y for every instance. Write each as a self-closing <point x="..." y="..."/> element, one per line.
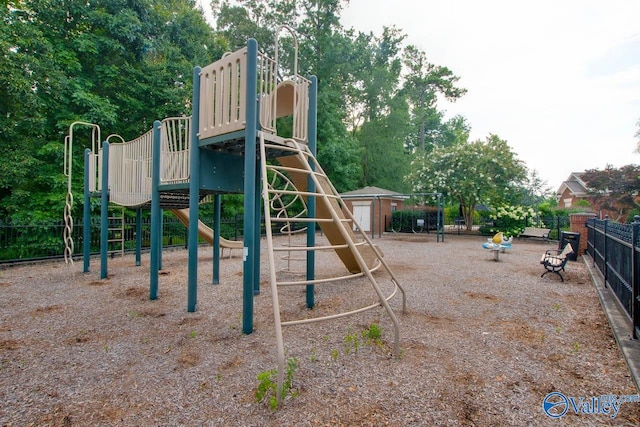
<point x="574" y="239"/>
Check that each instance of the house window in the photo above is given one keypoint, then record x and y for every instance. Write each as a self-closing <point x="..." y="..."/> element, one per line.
<point x="394" y="207"/>
<point x="567" y="203"/>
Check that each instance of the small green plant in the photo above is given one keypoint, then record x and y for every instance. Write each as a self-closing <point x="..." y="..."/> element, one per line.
<point x="556" y="307"/>
<point x="133" y="314"/>
<point x="374" y="333"/>
<point x="334" y="355"/>
<point x="193" y="334"/>
<point x="558" y="329"/>
<point x="313" y="357"/>
<point x="351" y="341"/>
<point x="268" y="387"/>
<point x="576" y="347"/>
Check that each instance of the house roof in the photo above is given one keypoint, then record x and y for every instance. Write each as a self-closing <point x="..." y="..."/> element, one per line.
<point x="372" y="192"/>
<point x="575" y="184"/>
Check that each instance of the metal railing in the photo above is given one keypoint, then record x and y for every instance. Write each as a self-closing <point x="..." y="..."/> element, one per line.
<point x="615" y="250"/>
<point x="44" y="241"/>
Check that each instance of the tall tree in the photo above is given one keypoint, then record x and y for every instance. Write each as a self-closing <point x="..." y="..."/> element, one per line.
<point x="424" y="82"/>
<point x="240" y="20"/>
<point x="384" y="112"/>
<point x="28" y="77"/>
<point x="453" y="131"/>
<point x="327" y="51"/>
<point x="118" y="63"/>
<point x="535" y="190"/>
<point x="470" y="173"/>
<point x="614" y="189"/>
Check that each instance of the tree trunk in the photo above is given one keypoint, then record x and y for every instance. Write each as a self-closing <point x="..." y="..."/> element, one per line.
<point x="467" y="212"/>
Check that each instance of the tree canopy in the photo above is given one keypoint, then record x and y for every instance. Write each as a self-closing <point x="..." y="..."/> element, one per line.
<point x="124" y="63"/>
<point x="470" y="173"/>
<point x="614" y="189"/>
<point x="120" y="64"/>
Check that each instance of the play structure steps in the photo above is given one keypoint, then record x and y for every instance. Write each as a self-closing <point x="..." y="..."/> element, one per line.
<point x="116" y="230"/>
<point x="307" y="180"/>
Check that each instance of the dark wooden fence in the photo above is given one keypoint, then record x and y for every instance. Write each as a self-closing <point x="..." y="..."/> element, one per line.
<point x="615" y="250"/>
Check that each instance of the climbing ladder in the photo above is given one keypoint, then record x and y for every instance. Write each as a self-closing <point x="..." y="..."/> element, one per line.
<point x="116" y="230"/>
<point x="282" y="203"/>
<point x="68" y="172"/>
<point x="361" y="257"/>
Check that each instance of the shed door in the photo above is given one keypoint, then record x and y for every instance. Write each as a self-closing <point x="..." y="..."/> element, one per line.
<point x="362" y="214"/>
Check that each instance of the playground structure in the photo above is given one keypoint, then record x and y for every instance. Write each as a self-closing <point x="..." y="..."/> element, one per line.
<point x="230" y="144"/>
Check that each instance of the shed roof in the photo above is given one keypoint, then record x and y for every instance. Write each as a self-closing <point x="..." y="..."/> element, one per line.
<point x="373" y="192"/>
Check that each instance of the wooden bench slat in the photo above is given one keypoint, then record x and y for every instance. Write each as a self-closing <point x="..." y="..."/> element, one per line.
<point x="542" y="233"/>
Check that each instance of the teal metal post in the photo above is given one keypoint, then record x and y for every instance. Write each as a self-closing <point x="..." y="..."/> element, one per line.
<point x="86" y="216"/>
<point x="156" y="213"/>
<point x="194" y="195"/>
<point x="161" y="239"/>
<point x="138" y="237"/>
<point x="258" y="216"/>
<point x="311" y="201"/>
<point x="104" y="212"/>
<point x="216" y="238"/>
<point x="249" y="249"/>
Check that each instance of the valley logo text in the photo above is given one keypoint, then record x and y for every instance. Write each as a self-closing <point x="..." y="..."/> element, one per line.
<point x="556" y="404"/>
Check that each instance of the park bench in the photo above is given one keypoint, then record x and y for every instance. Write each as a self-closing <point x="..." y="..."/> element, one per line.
<point x="555" y="260"/>
<point x="542" y="233"/>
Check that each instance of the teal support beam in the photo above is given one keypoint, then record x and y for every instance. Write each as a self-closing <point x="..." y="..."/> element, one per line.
<point x="161" y="239"/>
<point x="258" y="217"/>
<point x="311" y="201"/>
<point x="138" y="237"/>
<point x="156" y="213"/>
<point x="249" y="249"/>
<point x="86" y="215"/>
<point x="217" y="207"/>
<point x="104" y="212"/>
<point x="194" y="195"/>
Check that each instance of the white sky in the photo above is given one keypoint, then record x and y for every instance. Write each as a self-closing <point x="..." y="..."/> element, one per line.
<point x="559" y="80"/>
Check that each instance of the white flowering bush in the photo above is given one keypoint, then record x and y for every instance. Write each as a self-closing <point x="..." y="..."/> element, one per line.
<point x="511" y="220"/>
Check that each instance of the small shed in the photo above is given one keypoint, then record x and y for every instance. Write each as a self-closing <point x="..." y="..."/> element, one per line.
<point x="372" y="207"/>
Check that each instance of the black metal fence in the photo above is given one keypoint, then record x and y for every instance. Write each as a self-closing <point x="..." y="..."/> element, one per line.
<point x="22" y="243"/>
<point x="615" y="250"/>
<point x="557" y="224"/>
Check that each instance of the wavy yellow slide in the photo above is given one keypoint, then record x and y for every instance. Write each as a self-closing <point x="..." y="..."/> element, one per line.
<point x="205" y="231"/>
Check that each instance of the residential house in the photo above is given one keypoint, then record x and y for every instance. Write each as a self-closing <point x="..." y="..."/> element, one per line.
<point x="571" y="191"/>
<point x="574" y="189"/>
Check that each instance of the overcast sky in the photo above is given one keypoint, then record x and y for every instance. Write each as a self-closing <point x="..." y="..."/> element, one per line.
<point x="559" y="80"/>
